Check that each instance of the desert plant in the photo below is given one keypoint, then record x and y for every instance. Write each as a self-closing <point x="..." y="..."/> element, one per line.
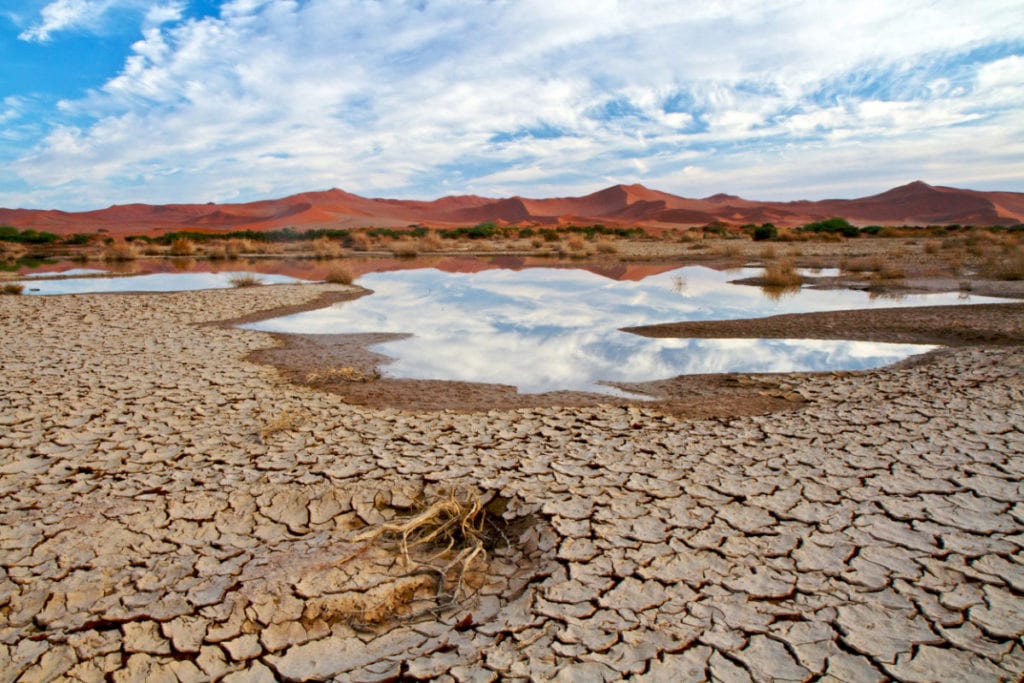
<point x="447" y="537"/>
<point x="404" y="250"/>
<point x="339" y="275"/>
<point x="766" y="231"/>
<point x="183" y="247"/>
<point x="14" y="288"/>
<point x="430" y="242"/>
<point x="120" y="251"/>
<point x="216" y="252"/>
<point x="326" y="248"/>
<point x="245" y="280"/>
<point x="285" y="421"/>
<point x="781" y="274"/>
<point x="1008" y="265"/>
<point x="360" y="241"/>
<point x="345" y="374"/>
<point x="606" y="247"/>
<point x="576" y="243"/>
<point x="236" y="247"/>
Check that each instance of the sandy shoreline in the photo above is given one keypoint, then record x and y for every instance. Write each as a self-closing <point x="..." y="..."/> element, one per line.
<point x="170" y="510"/>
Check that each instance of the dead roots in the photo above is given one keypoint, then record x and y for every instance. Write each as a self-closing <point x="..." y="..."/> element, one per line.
<point x="440" y="552"/>
<point x="446" y="538"/>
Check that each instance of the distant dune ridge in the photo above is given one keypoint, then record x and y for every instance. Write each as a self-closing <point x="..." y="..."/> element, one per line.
<point x="623" y="205"/>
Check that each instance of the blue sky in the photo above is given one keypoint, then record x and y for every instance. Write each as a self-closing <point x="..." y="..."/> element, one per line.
<point x="117" y="101"/>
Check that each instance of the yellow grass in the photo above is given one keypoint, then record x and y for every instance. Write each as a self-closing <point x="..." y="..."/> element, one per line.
<point x="339" y="275"/>
<point x="121" y="251"/>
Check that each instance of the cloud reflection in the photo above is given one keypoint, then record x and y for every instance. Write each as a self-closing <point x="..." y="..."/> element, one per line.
<point x="547" y="329"/>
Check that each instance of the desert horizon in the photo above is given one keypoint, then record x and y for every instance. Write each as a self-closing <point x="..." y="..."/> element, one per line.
<point x="915" y="203"/>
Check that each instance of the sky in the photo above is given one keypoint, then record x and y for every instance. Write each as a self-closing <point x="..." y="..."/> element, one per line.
<point x="166" y="101"/>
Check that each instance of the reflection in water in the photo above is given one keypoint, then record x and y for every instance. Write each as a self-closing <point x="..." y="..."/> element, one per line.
<point x="777" y="292"/>
<point x="545" y="329"/>
<point x="155" y="282"/>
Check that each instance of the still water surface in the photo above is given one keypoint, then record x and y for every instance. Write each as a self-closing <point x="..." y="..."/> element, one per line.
<point x="547" y="329"/>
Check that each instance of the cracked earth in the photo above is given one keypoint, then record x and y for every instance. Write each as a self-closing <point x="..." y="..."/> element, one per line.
<point x="171" y="512"/>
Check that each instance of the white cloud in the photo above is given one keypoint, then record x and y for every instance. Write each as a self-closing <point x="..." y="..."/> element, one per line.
<point x="62" y="15"/>
<point x="421" y="99"/>
<point x="68" y="15"/>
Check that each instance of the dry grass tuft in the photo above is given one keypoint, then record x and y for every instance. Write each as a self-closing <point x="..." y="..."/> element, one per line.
<point x="361" y="241"/>
<point x="13" y="288"/>
<point x="325" y="248"/>
<point x="121" y="251"/>
<point x="346" y="374"/>
<point x="404" y="250"/>
<point x="890" y="271"/>
<point x="606" y="247"/>
<point x="183" y="247"/>
<point x="10" y="251"/>
<point x="245" y="280"/>
<point x="216" y="252"/>
<point x="339" y="275"/>
<point x="1009" y="265"/>
<point x="236" y="247"/>
<point x="430" y="242"/>
<point x="286" y="421"/>
<point x="576" y="243"/>
<point x="781" y="274"/>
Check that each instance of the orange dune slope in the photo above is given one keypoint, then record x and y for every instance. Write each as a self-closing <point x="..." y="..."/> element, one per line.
<point x="620" y="205"/>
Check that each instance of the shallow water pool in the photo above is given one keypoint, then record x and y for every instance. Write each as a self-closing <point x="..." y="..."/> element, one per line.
<point x="553" y="329"/>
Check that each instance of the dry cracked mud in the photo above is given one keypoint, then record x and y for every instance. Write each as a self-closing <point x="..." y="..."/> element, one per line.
<point x="170" y="512"/>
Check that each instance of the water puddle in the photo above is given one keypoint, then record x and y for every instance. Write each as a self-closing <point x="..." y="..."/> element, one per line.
<point x="153" y="282"/>
<point x="548" y="329"/>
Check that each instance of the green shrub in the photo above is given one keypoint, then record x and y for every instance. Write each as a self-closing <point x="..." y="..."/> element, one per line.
<point x="833" y="225"/>
<point x="766" y="231"/>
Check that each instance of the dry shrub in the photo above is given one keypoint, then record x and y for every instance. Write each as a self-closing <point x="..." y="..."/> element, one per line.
<point x="13" y="288"/>
<point x="1008" y="265"/>
<point x="245" y="280"/>
<point x="890" y="271"/>
<point x="404" y="250"/>
<point x="430" y="242"/>
<point x="931" y="247"/>
<point x="346" y="374"/>
<point x="781" y="274"/>
<point x="731" y="250"/>
<point x="286" y="421"/>
<point x="537" y="242"/>
<point x="183" y="247"/>
<point x="326" y="248"/>
<point x="607" y="247"/>
<point x="339" y="275"/>
<point x="858" y="265"/>
<point x="769" y="253"/>
<point x="216" y="252"/>
<point x="10" y="251"/>
<point x="236" y="247"/>
<point x="576" y="243"/>
<point x="121" y="251"/>
<point x="361" y="241"/>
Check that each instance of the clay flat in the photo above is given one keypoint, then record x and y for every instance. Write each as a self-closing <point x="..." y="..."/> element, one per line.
<point x="172" y="511"/>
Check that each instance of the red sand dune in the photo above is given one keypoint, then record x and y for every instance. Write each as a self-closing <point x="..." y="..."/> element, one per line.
<point x="621" y="205"/>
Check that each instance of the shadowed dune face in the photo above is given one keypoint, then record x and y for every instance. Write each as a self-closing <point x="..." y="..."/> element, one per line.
<point x="621" y="205"/>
